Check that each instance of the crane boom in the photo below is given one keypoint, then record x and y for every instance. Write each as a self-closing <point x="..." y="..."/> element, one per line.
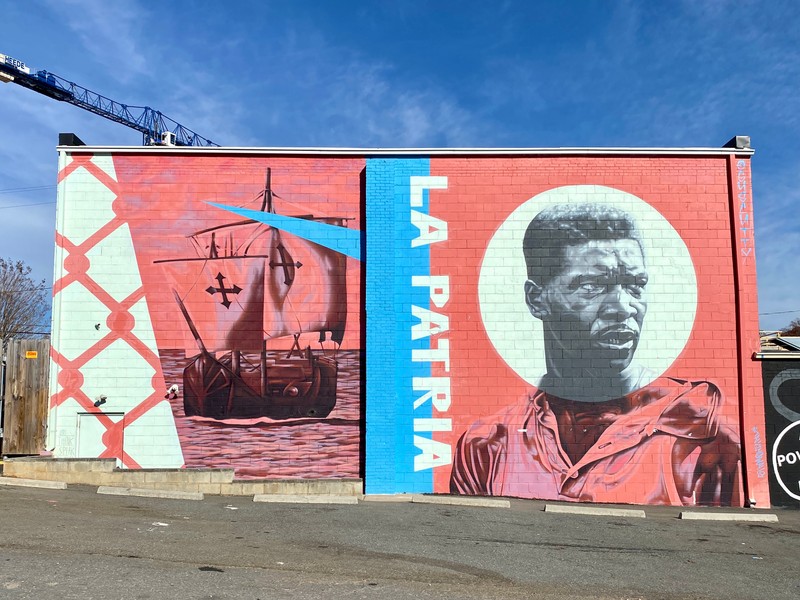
<point x="156" y="128"/>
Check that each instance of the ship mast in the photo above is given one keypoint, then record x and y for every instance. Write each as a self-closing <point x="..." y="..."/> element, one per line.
<point x="266" y="205"/>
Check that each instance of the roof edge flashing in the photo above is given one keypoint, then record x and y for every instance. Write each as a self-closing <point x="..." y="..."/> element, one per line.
<point x="776" y="355"/>
<point x="349" y="151"/>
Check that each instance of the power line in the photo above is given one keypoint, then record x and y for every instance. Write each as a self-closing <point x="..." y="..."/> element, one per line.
<point x="27" y="189"/>
<point x="32" y="204"/>
<point x="29" y="332"/>
<point x="779" y="312"/>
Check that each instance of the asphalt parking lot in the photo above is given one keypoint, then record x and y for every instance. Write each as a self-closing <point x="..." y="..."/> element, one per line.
<point x="76" y="543"/>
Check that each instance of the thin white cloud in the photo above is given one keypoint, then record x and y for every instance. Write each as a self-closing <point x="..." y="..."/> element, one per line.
<point x="315" y="92"/>
<point x="303" y="89"/>
<point x="110" y="32"/>
<point x="364" y="105"/>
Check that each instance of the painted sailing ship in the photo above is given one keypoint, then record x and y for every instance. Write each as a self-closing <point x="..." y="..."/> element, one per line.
<point x="247" y="295"/>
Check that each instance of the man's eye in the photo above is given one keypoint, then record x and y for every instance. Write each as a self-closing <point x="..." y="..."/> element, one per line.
<point x="636" y="290"/>
<point x="592" y="288"/>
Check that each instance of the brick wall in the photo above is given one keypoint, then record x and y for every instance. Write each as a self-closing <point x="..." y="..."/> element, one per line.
<point x="677" y="426"/>
<point x="157" y="287"/>
<point x="623" y="374"/>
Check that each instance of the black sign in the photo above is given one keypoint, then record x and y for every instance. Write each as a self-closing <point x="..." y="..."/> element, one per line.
<point x="782" y="404"/>
<point x="786" y="460"/>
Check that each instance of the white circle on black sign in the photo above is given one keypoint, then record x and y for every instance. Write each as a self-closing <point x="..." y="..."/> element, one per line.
<point x="786" y="460"/>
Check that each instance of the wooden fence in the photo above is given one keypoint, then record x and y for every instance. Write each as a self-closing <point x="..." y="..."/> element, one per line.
<point x="26" y="392"/>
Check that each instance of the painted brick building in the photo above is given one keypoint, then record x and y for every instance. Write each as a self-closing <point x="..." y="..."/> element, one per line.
<point x="557" y="324"/>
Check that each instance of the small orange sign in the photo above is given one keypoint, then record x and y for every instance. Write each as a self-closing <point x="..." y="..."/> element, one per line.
<point x="31" y="354"/>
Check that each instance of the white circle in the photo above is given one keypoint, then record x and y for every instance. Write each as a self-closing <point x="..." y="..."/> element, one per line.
<point x="671" y="290"/>
<point x="775" y="460"/>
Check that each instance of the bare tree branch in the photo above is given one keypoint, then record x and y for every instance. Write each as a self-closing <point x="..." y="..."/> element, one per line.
<point x="792" y="328"/>
<point x="24" y="302"/>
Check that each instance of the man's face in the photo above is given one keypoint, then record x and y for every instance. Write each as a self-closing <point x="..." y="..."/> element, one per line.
<point x="594" y="309"/>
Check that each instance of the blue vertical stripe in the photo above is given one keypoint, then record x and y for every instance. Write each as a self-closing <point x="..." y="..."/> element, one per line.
<point x="390" y="265"/>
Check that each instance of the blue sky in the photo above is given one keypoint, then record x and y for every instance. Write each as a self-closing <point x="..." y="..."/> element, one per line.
<point x="412" y="73"/>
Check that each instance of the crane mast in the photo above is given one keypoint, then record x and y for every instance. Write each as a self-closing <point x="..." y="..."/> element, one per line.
<point x="156" y="128"/>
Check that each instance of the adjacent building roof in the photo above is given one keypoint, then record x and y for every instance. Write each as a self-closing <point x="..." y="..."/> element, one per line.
<point x="775" y="345"/>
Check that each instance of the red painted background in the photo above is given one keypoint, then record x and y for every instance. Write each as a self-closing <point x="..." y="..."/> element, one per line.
<point x="164" y="199"/>
<point x="692" y="193"/>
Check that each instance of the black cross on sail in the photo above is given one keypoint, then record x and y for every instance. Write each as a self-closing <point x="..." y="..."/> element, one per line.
<point x="221" y="289"/>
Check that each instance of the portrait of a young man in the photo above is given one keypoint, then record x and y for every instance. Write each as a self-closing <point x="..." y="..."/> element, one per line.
<point x="598" y="425"/>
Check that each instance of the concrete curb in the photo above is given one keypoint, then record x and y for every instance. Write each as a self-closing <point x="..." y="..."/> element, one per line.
<point x="173" y="495"/>
<point x="462" y="501"/>
<point x="387" y="498"/>
<point x="723" y="516"/>
<point x="305" y="499"/>
<point x="598" y="511"/>
<point x="34" y="483"/>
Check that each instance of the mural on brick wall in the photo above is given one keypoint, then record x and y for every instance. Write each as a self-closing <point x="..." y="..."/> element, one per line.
<point x="250" y="273"/>
<point x="554" y="331"/>
<point x="782" y="403"/>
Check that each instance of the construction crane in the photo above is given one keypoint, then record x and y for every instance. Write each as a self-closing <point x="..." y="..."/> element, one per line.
<point x="157" y="129"/>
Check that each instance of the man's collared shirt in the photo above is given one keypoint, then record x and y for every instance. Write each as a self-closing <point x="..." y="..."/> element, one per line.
<point x="666" y="445"/>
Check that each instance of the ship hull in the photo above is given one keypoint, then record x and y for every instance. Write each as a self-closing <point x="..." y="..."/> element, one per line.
<point x="296" y="387"/>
